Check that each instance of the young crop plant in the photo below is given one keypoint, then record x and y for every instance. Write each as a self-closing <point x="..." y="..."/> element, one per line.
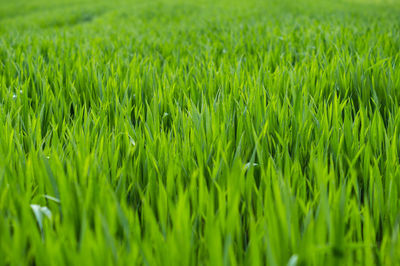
<point x="171" y="132"/>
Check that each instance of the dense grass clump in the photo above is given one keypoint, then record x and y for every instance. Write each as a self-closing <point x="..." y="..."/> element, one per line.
<point x="199" y="132"/>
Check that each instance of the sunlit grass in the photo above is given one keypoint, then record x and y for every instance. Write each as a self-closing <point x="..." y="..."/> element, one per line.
<point x="199" y="132"/>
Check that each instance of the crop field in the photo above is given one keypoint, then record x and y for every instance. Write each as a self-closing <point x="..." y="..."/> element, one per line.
<point x="204" y="132"/>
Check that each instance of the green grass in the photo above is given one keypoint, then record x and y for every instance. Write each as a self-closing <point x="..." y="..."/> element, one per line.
<point x="200" y="132"/>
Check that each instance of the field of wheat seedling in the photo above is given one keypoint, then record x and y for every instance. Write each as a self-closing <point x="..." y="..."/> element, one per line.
<point x="172" y="132"/>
